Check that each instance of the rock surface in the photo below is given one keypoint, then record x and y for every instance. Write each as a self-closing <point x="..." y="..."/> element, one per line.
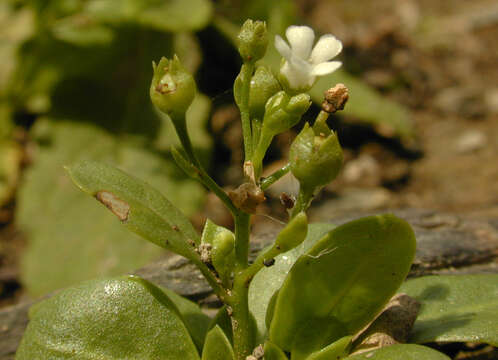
<point x="446" y="244"/>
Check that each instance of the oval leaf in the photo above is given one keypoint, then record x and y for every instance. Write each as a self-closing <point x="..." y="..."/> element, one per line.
<point x="173" y="15"/>
<point x="269" y="279"/>
<point x="401" y="352"/>
<point x="217" y="346"/>
<point x="273" y="352"/>
<point x="195" y="320"/>
<point x="118" y="318"/>
<point x="338" y="286"/>
<point x="337" y="350"/>
<point x="141" y="208"/>
<point x="455" y="308"/>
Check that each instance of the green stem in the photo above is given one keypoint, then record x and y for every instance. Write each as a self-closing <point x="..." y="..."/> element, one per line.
<point x="303" y="200"/>
<point x="258" y="264"/>
<point x="181" y="130"/>
<point x="260" y="152"/>
<point x="256" y="132"/>
<point x="273" y="178"/>
<point x="246" y="73"/>
<point x="242" y="230"/>
<point x="211" y="279"/>
<point x="241" y="320"/>
<point x="243" y="330"/>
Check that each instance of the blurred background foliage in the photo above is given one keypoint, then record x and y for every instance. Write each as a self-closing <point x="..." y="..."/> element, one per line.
<point x="74" y="84"/>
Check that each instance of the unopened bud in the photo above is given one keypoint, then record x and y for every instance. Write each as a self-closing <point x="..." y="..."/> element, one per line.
<point x="253" y="40"/>
<point x="263" y="86"/>
<point x="173" y="88"/>
<point x="293" y="233"/>
<point x="283" y="112"/>
<point x="335" y="98"/>
<point x="221" y="244"/>
<point x="315" y="160"/>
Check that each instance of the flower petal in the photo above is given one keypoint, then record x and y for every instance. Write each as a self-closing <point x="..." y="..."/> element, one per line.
<point x="325" y="49"/>
<point x="282" y="47"/>
<point x="325" y="68"/>
<point x="301" y="40"/>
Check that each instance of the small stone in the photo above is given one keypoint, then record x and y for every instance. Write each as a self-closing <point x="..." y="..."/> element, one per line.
<point x="471" y="141"/>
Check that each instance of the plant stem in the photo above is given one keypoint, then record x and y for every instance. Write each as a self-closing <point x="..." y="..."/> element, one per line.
<point x="246" y="73"/>
<point x="303" y="200"/>
<point x="270" y="180"/>
<point x="241" y="322"/>
<point x="242" y="224"/>
<point x="243" y="330"/>
<point x="181" y="130"/>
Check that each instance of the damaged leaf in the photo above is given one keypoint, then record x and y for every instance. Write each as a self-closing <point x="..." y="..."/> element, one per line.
<point x="140" y="207"/>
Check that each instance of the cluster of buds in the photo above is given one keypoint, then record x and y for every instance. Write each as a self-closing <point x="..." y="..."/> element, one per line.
<point x="275" y="103"/>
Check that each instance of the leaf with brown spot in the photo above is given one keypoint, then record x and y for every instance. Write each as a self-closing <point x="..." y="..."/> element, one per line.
<point x="140" y="207"/>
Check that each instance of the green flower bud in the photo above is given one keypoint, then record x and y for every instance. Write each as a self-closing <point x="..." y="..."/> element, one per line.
<point x="222" y="248"/>
<point x="315" y="159"/>
<point x="253" y="40"/>
<point x="293" y="233"/>
<point x="173" y="88"/>
<point x="222" y="253"/>
<point x="283" y="112"/>
<point x="263" y="86"/>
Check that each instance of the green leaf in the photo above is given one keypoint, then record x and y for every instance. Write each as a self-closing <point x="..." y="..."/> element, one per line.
<point x="217" y="346"/>
<point x="401" y="352"/>
<point x="224" y="321"/>
<point x="173" y="15"/>
<point x="222" y="243"/>
<point x="195" y="320"/>
<point x="455" y="308"/>
<point x="66" y="228"/>
<point x="140" y="207"/>
<point x="269" y="279"/>
<point x="82" y="31"/>
<point x="273" y="352"/>
<point x="337" y="350"/>
<point x="342" y="282"/>
<point x="125" y="317"/>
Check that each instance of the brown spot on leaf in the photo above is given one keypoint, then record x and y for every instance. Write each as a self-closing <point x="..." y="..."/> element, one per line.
<point x="119" y="207"/>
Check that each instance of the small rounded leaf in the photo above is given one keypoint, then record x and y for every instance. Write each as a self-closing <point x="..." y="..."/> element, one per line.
<point x="343" y="281"/>
<point x="118" y="318"/>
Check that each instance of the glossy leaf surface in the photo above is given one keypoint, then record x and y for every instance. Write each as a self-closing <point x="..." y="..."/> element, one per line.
<point x="342" y="282"/>
<point x="269" y="279"/>
<point x="195" y="320"/>
<point x="401" y="352"/>
<point x="217" y="346"/>
<point x="273" y="352"/>
<point x="455" y="308"/>
<point x="140" y="207"/>
<point x="337" y="350"/>
<point x="119" y="318"/>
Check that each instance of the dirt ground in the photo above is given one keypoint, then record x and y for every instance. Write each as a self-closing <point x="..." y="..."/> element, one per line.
<point x="439" y="58"/>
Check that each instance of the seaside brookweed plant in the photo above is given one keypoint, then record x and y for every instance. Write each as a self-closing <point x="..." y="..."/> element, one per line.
<point x="310" y="295"/>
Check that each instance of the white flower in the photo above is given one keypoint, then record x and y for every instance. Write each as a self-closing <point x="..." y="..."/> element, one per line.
<point x="302" y="63"/>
